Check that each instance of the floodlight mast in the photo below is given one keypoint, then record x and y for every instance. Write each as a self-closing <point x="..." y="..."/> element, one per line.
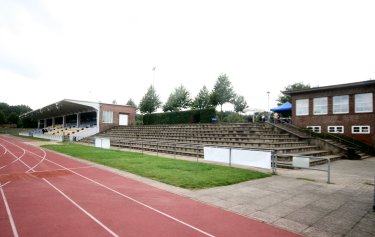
<point x="153" y="76"/>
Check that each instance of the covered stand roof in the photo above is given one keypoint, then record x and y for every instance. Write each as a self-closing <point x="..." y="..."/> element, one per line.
<point x="286" y="107"/>
<point x="63" y="107"/>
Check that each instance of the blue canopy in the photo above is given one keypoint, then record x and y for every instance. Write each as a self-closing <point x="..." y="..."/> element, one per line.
<point x="286" y="107"/>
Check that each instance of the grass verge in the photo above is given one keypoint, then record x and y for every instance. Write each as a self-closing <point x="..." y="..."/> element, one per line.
<point x="184" y="174"/>
<point x="31" y="138"/>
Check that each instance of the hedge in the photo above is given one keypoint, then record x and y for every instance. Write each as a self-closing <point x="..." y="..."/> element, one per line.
<point x="190" y="116"/>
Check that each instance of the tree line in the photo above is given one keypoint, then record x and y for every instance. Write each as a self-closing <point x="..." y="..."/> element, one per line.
<point x="180" y="98"/>
<point x="10" y="114"/>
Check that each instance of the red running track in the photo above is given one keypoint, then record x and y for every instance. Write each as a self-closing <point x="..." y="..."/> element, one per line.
<point x="43" y="193"/>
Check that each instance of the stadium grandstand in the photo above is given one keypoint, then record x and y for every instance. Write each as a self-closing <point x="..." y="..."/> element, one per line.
<point x="74" y="120"/>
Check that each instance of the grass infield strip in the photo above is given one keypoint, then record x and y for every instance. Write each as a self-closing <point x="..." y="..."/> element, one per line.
<point x="31" y="138"/>
<point x="180" y="173"/>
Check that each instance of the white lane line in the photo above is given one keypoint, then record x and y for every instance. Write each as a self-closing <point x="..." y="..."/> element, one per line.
<point x="76" y="168"/>
<point x="136" y="201"/>
<point x="10" y="217"/>
<point x="66" y="196"/>
<point x="17" y="158"/>
<point x="80" y="208"/>
<point x="125" y="196"/>
<point x="44" y="157"/>
<point x="5" y="151"/>
<point x="3" y="185"/>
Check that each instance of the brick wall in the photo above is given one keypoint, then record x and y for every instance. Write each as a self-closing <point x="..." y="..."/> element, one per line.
<point x="117" y="110"/>
<point x="347" y="120"/>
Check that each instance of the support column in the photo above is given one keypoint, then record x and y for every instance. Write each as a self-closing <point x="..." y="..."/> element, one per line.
<point x="45" y="123"/>
<point x="53" y="122"/>
<point x="38" y="123"/>
<point x="64" y="121"/>
<point x="78" y="119"/>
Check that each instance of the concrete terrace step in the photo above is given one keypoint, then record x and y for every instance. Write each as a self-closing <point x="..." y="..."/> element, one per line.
<point x="190" y="139"/>
<point x="313" y="162"/>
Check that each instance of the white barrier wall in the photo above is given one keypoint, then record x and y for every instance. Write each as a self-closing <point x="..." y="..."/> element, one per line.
<point x="102" y="142"/>
<point x="301" y="162"/>
<point x="259" y="159"/>
<point x="85" y="133"/>
<point x="216" y="154"/>
<point x="50" y="137"/>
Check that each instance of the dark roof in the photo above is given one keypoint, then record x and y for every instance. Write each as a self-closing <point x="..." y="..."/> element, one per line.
<point x="332" y="87"/>
<point x="63" y="107"/>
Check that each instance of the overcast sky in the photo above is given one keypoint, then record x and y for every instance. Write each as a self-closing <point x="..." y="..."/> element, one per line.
<point x="105" y="50"/>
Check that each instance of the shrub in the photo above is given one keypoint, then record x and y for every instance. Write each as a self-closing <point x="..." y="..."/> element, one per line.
<point x="190" y="116"/>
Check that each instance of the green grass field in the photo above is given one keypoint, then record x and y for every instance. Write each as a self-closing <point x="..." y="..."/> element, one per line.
<point x="31" y="138"/>
<point x="185" y="174"/>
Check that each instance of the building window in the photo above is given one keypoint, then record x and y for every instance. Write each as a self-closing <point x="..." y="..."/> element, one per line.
<point x="363" y="103"/>
<point x="107" y="117"/>
<point x="320" y="105"/>
<point x="341" y="104"/>
<point x="316" y="129"/>
<point x="361" y="129"/>
<point x="302" y="107"/>
<point x="335" y="129"/>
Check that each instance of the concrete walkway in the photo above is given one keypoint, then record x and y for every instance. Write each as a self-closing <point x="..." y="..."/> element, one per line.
<point x="300" y="200"/>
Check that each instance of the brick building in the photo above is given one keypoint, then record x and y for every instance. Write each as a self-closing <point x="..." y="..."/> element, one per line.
<point x="346" y="109"/>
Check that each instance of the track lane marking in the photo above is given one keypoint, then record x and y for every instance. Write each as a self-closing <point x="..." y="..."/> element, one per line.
<point x="10" y="217"/>
<point x="3" y="185"/>
<point x="64" y="195"/>
<point x="17" y="158"/>
<point x="125" y="196"/>
<point x="82" y="209"/>
<point x="44" y="157"/>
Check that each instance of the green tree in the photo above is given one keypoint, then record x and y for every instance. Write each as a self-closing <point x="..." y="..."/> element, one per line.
<point x="223" y="91"/>
<point x="170" y="104"/>
<point x="296" y="86"/>
<point x="179" y="99"/>
<point x="2" y="117"/>
<point x="202" y="100"/>
<point x="20" y="109"/>
<point x="13" y="118"/>
<point x="131" y="103"/>
<point x="150" y="101"/>
<point x="239" y="104"/>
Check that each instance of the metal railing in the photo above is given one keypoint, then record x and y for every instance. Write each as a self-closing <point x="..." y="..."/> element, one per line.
<point x="361" y="147"/>
<point x="303" y="162"/>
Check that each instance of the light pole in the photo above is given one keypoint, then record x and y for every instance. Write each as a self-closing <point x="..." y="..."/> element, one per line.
<point x="153" y="76"/>
<point x="268" y="101"/>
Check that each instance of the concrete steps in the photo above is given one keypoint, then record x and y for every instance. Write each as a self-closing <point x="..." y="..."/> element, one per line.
<point x="189" y="140"/>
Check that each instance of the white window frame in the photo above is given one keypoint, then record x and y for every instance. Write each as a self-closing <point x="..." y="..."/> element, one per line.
<point x="302" y="107"/>
<point x="339" y="105"/>
<point x="107" y="117"/>
<point x="359" y="102"/>
<point x="320" y="103"/>
<point x="335" y="129"/>
<point x="317" y="129"/>
<point x="361" y="129"/>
